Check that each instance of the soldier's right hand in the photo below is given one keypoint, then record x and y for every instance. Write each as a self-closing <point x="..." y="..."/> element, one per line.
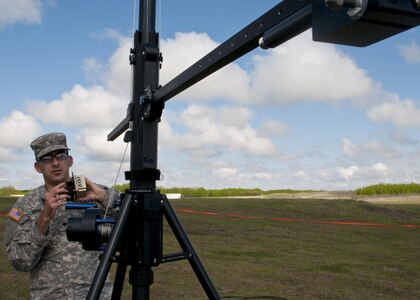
<point x="54" y="198"/>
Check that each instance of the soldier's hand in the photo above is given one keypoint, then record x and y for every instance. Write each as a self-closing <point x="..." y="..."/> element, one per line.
<point x="53" y="199"/>
<point x="94" y="193"/>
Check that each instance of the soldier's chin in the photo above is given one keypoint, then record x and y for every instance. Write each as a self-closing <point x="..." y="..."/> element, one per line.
<point x="57" y="179"/>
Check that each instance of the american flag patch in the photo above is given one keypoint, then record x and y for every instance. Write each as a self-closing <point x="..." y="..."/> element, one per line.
<point x="15" y="214"/>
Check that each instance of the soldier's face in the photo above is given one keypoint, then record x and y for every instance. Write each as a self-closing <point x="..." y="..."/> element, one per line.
<point x="54" y="167"/>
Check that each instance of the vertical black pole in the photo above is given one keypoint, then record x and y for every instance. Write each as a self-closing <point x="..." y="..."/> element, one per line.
<point x="145" y="61"/>
<point x="143" y="166"/>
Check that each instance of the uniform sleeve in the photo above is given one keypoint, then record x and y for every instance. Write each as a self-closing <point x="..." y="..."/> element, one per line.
<point x="24" y="243"/>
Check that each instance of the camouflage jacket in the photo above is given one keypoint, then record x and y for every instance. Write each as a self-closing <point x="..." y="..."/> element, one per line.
<point x="59" y="269"/>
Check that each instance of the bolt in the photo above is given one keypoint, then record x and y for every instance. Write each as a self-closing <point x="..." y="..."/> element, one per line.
<point x="337" y="4"/>
<point x="334" y="4"/>
<point x="132" y="59"/>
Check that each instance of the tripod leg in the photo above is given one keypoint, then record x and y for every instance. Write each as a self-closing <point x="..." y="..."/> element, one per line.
<point x="186" y="246"/>
<point x="119" y="281"/>
<point x="106" y="260"/>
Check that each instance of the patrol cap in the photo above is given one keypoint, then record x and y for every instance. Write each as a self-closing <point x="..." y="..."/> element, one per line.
<point x="48" y="143"/>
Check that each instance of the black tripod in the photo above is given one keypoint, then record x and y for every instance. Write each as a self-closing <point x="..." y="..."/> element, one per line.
<point x="138" y="231"/>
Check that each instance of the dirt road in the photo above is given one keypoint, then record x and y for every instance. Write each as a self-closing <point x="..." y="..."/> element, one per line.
<point x="400" y="199"/>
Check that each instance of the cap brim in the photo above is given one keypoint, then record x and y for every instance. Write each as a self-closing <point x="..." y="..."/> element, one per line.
<point x="51" y="149"/>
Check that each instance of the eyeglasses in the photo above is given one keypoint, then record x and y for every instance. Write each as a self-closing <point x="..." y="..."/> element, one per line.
<point x="46" y="159"/>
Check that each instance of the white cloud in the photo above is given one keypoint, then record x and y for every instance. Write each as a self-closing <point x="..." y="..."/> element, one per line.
<point x="371" y="148"/>
<point x="301" y="176"/>
<point x="18" y="130"/>
<point x="410" y="52"/>
<point x="92" y="69"/>
<point x="93" y="144"/>
<point x="102" y="105"/>
<point x="402" y="113"/>
<point x="7" y="156"/>
<point x="274" y="127"/>
<point x="375" y="147"/>
<point x="20" y="11"/>
<point x="229" y="83"/>
<point x="118" y="78"/>
<point x="348" y="173"/>
<point x="208" y="130"/>
<point x="182" y="51"/>
<point x="303" y="70"/>
<point x="93" y="106"/>
<point x="225" y="172"/>
<point x="380" y="168"/>
<point x="400" y="137"/>
<point x="348" y="148"/>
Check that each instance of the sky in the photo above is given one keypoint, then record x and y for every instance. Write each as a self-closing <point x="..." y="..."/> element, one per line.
<point x="304" y="115"/>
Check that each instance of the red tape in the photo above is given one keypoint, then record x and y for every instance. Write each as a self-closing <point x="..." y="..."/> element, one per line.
<point x="300" y="220"/>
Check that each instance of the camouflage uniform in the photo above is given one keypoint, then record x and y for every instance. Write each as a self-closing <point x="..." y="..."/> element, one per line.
<point x="59" y="269"/>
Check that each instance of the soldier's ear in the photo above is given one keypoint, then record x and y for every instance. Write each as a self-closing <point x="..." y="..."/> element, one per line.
<point x="37" y="167"/>
<point x="70" y="160"/>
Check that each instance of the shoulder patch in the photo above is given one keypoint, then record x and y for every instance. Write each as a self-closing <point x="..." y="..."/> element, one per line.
<point x="16" y="214"/>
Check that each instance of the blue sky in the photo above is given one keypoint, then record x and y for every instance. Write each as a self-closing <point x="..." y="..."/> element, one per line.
<point x="304" y="115"/>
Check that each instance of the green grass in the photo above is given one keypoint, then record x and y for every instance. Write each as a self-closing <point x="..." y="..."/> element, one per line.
<point x="13" y="284"/>
<point x="266" y="259"/>
<point x="389" y="189"/>
<point x="10" y="190"/>
<point x="227" y="192"/>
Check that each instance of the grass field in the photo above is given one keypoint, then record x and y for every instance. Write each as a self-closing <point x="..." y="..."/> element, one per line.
<point x="288" y="250"/>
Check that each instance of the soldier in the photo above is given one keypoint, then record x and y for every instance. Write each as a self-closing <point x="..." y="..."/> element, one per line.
<point x="35" y="235"/>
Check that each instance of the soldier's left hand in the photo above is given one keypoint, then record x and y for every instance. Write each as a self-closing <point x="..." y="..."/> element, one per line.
<point x="94" y="193"/>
